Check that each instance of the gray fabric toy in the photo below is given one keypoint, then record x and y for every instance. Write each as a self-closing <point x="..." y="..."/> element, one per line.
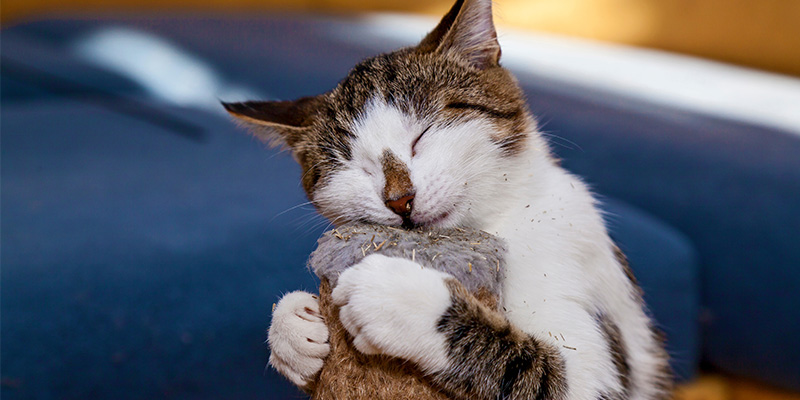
<point x="475" y="258"/>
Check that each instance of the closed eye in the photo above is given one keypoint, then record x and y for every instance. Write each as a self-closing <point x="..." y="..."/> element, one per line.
<point x="485" y="110"/>
<point x="414" y="143"/>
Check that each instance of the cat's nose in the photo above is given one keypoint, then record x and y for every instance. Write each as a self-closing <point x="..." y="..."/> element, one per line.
<point x="402" y="206"/>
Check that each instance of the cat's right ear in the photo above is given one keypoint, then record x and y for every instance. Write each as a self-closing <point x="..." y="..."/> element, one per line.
<point x="280" y="123"/>
<point x="466" y="31"/>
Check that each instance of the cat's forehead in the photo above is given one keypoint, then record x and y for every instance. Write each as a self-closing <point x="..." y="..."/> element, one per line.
<point x="393" y="97"/>
<point x="411" y="81"/>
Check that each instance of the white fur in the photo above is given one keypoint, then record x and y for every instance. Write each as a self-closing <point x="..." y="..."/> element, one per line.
<point x="298" y="337"/>
<point x="391" y="306"/>
<point x="456" y="171"/>
<point x="561" y="268"/>
<point x="561" y="272"/>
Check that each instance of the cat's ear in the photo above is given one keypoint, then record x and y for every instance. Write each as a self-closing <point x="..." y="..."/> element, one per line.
<point x="433" y="39"/>
<point x="277" y="122"/>
<point x="468" y="32"/>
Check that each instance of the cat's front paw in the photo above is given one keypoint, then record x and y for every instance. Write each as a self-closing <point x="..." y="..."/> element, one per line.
<point x="298" y="337"/>
<point x="392" y="306"/>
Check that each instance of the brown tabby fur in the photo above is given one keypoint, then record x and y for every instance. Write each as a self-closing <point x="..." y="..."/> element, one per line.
<point x="349" y="374"/>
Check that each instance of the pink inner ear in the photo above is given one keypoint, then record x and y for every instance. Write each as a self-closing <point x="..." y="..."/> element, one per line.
<point x="473" y="36"/>
<point x="432" y="41"/>
<point x="291" y="114"/>
<point x="280" y="123"/>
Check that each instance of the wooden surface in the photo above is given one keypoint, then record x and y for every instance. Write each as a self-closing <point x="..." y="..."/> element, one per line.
<point x="759" y="33"/>
<point x="716" y="387"/>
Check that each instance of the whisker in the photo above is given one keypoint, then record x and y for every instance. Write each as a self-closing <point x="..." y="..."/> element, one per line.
<point x="311" y="221"/>
<point x="290" y="209"/>
<point x="309" y="170"/>
<point x="552" y="135"/>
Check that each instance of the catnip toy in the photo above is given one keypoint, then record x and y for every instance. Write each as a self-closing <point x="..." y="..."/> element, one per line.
<point x="474" y="258"/>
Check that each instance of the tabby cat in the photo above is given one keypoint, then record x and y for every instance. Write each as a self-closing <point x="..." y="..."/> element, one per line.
<point x="439" y="135"/>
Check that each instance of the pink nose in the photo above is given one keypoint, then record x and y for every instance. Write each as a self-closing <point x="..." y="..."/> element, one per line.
<point x="402" y="206"/>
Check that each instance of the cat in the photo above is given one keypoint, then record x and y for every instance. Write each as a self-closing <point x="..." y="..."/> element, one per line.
<point x="440" y="135"/>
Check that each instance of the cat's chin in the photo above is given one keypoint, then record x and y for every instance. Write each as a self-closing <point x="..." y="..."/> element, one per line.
<point x="439" y="221"/>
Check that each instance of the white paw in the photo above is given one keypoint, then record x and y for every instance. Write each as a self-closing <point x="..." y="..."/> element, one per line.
<point x="392" y="306"/>
<point x="298" y="337"/>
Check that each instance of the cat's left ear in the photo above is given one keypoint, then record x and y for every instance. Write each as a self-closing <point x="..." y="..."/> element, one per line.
<point x="468" y="32"/>
<point x="281" y="123"/>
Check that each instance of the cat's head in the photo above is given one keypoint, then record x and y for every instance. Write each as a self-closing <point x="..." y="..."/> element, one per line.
<point x="427" y="135"/>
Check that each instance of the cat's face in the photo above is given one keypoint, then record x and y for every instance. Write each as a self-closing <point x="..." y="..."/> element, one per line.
<point x="414" y="137"/>
<point x="423" y="136"/>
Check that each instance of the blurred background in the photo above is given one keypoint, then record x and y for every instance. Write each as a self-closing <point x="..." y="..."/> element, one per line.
<point x="145" y="237"/>
<point x="759" y="33"/>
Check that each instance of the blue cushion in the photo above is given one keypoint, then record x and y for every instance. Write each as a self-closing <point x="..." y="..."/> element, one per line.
<point x="139" y="263"/>
<point x="34" y="68"/>
<point x="666" y="267"/>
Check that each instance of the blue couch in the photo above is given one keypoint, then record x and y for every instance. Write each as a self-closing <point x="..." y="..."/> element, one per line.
<point x="144" y="242"/>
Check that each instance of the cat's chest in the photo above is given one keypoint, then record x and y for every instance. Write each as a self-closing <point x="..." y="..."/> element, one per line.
<point x="548" y="242"/>
<point x="541" y="229"/>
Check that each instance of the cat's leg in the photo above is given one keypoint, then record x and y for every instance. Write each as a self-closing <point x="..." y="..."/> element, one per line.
<point x="394" y="306"/>
<point x="391" y="305"/>
<point x="298" y="338"/>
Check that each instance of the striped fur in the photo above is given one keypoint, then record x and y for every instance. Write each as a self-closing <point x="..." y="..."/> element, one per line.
<point x="521" y="367"/>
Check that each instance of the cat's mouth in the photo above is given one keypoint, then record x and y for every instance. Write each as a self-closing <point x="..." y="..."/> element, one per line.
<point x="434" y="221"/>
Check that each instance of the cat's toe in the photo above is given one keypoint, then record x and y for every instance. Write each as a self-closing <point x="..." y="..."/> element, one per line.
<point x="301" y="374"/>
<point x="298" y="337"/>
